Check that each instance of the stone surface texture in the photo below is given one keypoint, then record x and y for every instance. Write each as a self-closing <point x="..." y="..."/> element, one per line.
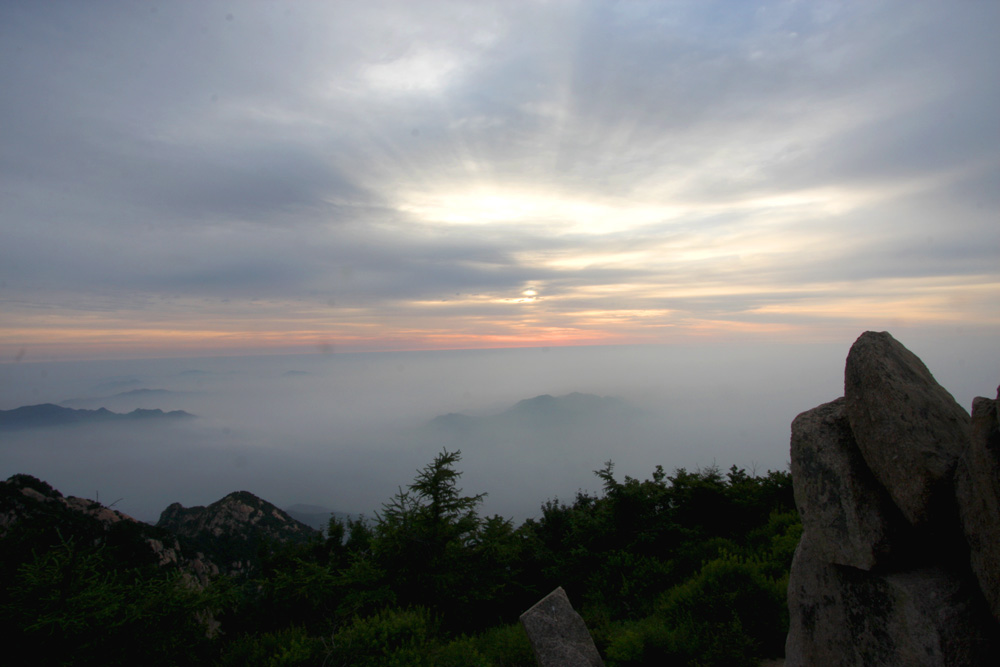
<point x="558" y="635"/>
<point x="978" y="491"/>
<point x="846" y="616"/>
<point x="908" y="427"/>
<point x="899" y="493"/>
<point x="841" y="503"/>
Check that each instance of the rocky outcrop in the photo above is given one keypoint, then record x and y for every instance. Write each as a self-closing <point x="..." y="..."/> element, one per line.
<point x="900" y="505"/>
<point x="558" y="635"/>
<point x="228" y="535"/>
<point x="978" y="491"/>
<point x="234" y="529"/>
<point x="848" y="514"/>
<point x="35" y="517"/>
<point x="908" y="427"/>
<point x="847" y="616"/>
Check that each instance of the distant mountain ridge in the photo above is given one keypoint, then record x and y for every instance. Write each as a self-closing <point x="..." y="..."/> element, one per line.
<point x="49" y="414"/>
<point x="133" y="396"/>
<point x="544" y="411"/>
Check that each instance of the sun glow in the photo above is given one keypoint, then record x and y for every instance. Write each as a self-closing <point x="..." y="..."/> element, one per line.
<point x="488" y="206"/>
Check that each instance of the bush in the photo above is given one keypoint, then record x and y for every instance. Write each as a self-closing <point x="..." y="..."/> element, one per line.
<point x="503" y="646"/>
<point x="397" y="637"/>
<point x="69" y="606"/>
<point x="728" y="614"/>
<point x="291" y="647"/>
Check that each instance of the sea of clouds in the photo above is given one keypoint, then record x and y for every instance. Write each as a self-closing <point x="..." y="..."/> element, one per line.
<point x="346" y="431"/>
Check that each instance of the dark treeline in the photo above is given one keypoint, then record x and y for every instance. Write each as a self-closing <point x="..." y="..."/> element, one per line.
<point x="689" y="568"/>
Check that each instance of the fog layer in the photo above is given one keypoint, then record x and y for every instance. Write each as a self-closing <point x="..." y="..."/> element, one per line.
<point x="345" y="431"/>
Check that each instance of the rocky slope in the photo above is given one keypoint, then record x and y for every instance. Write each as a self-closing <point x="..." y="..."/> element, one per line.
<point x="229" y="535"/>
<point x="899" y="493"/>
<point x="235" y="529"/>
<point x="35" y="517"/>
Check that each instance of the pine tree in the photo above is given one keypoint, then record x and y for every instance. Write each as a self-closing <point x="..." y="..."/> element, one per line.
<point x="423" y="535"/>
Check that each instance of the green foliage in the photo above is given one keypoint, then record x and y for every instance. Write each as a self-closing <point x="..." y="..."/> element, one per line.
<point x="411" y="637"/>
<point x="436" y="551"/>
<point x="359" y="536"/>
<point x="396" y="637"/>
<point x="626" y="584"/>
<point x="69" y="607"/>
<point x="364" y="588"/>
<point x="422" y="524"/>
<point x="501" y="646"/>
<point x="305" y="593"/>
<point x="616" y="555"/>
<point x="728" y="614"/>
<point x="729" y="609"/>
<point x="289" y="647"/>
<point x="686" y="569"/>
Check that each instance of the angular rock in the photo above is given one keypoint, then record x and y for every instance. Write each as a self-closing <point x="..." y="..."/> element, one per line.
<point x="558" y="635"/>
<point x="844" y="616"/>
<point x="978" y="493"/>
<point x="850" y="516"/>
<point x="909" y="429"/>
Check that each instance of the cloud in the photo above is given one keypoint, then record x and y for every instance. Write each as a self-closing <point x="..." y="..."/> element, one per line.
<point x="418" y="167"/>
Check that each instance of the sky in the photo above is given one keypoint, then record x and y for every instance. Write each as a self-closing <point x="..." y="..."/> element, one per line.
<point x="215" y="178"/>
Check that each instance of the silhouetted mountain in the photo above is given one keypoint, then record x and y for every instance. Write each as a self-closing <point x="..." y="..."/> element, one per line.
<point x="455" y="421"/>
<point x="133" y="398"/>
<point x="541" y="412"/>
<point x="547" y="410"/>
<point x="558" y="422"/>
<point x="49" y="414"/>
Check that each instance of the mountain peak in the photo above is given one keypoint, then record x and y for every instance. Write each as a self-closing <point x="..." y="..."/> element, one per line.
<point x="235" y="527"/>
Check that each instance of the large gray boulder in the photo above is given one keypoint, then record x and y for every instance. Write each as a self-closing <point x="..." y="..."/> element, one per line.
<point x="927" y="617"/>
<point x="817" y="618"/>
<point x="558" y="635"/>
<point x="978" y="492"/>
<point x="899" y="561"/>
<point x="850" y="516"/>
<point x="909" y="429"/>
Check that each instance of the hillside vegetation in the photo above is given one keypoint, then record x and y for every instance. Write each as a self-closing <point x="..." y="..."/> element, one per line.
<point x="688" y="568"/>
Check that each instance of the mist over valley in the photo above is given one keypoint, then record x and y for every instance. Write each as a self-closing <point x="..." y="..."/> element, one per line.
<point x="344" y="431"/>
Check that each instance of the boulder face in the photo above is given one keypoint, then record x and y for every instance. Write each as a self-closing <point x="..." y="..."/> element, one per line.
<point x="558" y="635"/>
<point x="908" y="427"/>
<point x="923" y="616"/>
<point x="845" y="616"/>
<point x="899" y="561"/>
<point x="845" y="509"/>
<point x="978" y="491"/>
